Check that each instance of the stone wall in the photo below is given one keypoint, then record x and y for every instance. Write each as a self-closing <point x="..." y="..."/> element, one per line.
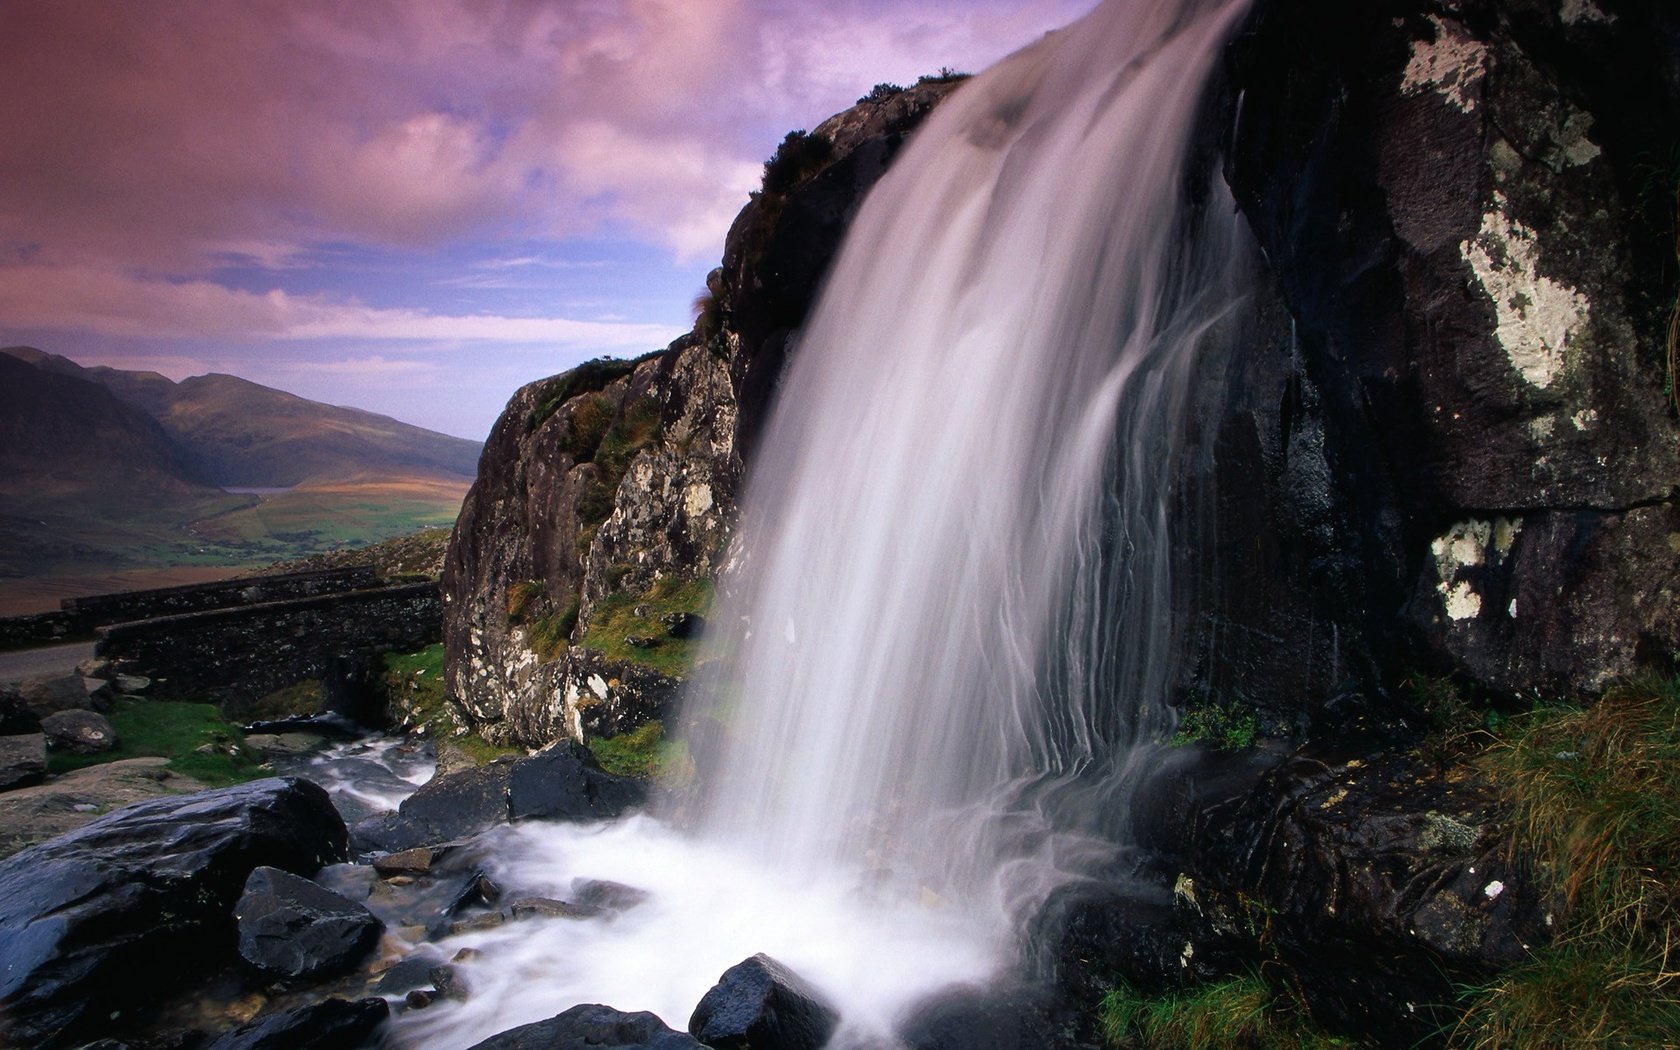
<point x="78" y="617"/>
<point x="233" y="657"/>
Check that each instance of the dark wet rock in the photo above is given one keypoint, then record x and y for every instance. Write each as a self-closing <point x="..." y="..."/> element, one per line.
<point x="759" y="1003"/>
<point x="292" y="928"/>
<point x="332" y="1024"/>
<point x="590" y="1026"/>
<point x="131" y="684"/>
<point x="416" y="861"/>
<point x="420" y="998"/>
<point x="86" y="919"/>
<point x="444" y="809"/>
<point x="566" y="783"/>
<point x="997" y="1018"/>
<point x="683" y="624"/>
<point x="488" y="921"/>
<point x="476" y="889"/>
<point x="607" y="896"/>
<point x="407" y="975"/>
<point x="1381" y="884"/>
<point x="79" y="732"/>
<point x="449" y="983"/>
<point x="563" y="783"/>
<point x="23" y="760"/>
<point x="549" y="907"/>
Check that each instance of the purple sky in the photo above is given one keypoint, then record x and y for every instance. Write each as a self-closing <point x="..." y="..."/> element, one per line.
<point x="413" y="206"/>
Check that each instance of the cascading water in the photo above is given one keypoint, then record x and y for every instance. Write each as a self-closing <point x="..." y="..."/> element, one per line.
<point x="951" y="636"/>
<point x="957" y="600"/>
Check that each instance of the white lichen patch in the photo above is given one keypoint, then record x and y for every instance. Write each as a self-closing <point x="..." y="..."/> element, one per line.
<point x="1541" y="429"/>
<point x="1452" y="65"/>
<point x="598" y="686"/>
<point x="1467" y="545"/>
<point x="1463" y="544"/>
<point x="1505" y="535"/>
<point x="1462" y="601"/>
<point x="1573" y="144"/>
<point x="1537" y="316"/>
<point x="697" y="500"/>
<point x="1584" y="418"/>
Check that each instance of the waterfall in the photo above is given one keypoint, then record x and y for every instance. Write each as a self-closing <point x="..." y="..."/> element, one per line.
<point x="953" y="627"/>
<point x="946" y="651"/>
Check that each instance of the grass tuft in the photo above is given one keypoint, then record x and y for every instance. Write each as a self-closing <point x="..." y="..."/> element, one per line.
<point x="642" y="753"/>
<point x="1595" y="794"/>
<point x="1240" y="1013"/>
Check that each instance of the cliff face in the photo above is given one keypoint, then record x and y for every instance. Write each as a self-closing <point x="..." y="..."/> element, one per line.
<point x="606" y="495"/>
<point x="1451" y="448"/>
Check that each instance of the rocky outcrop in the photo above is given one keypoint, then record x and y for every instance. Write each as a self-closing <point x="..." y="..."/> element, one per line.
<point x="592" y="1025"/>
<point x="618" y="478"/>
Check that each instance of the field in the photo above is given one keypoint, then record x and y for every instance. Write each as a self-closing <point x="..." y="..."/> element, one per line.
<point x="61" y="548"/>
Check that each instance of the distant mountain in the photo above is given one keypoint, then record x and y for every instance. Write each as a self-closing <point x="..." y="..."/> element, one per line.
<point x="62" y="434"/>
<point x="239" y="433"/>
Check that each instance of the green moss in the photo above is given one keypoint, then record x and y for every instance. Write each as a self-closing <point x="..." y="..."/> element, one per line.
<point x="417" y="680"/>
<point x="1241" y="1012"/>
<point x="1223" y="727"/>
<point x="616" y="619"/>
<point x="174" y="730"/>
<point x="549" y="633"/>
<point x="643" y="753"/>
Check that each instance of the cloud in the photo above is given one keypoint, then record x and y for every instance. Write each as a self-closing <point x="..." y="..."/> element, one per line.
<point x="170" y="139"/>
<point x="108" y="303"/>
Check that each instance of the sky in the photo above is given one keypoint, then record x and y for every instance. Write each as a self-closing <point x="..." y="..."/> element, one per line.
<point x="413" y="206"/>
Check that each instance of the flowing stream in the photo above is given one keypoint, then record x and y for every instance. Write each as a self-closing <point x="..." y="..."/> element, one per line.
<point x="948" y="648"/>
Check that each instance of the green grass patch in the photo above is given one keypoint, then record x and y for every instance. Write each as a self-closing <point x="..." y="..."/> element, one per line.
<point x="589" y="377"/>
<point x="627" y="615"/>
<point x="1223" y="727"/>
<point x="1595" y="794"/>
<point x="643" y="753"/>
<point x="1241" y="1012"/>
<point x="174" y="730"/>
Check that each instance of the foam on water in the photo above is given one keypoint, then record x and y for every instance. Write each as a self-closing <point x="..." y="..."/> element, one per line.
<point x="709" y="908"/>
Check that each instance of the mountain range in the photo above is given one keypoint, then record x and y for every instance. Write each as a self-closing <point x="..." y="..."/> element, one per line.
<point x="107" y="472"/>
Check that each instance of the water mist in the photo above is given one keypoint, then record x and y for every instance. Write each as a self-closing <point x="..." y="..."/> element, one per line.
<point x="950" y="637"/>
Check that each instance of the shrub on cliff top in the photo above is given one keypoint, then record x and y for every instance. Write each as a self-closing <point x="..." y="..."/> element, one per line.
<point x="798" y="158"/>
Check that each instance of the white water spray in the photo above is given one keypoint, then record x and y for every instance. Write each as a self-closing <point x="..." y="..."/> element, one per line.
<point x="957" y="608"/>
<point x="952" y="635"/>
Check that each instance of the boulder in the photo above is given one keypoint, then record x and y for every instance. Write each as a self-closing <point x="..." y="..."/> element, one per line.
<point x="48" y="694"/>
<point x="760" y="1004"/>
<point x="23" y="760"/>
<point x="79" y="732"/>
<point x="107" y="921"/>
<point x="15" y="715"/>
<point x="590" y="1026"/>
<point x="563" y="783"/>
<point x="290" y="927"/>
<point x="332" y="1024"/>
<point x="566" y="783"/>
